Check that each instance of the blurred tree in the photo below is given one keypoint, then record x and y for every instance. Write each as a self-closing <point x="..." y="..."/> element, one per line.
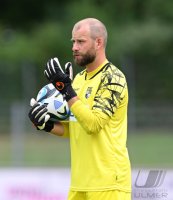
<point x="26" y="14"/>
<point x="33" y="31"/>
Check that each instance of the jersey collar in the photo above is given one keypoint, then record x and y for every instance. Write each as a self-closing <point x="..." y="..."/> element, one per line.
<point x="90" y="75"/>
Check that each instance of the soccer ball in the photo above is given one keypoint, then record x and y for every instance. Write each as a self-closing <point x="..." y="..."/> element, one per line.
<point x="56" y="104"/>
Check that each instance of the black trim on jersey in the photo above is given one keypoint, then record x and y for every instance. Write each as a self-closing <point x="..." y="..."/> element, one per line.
<point x="106" y="65"/>
<point x="114" y="84"/>
<point x="82" y="72"/>
<point x="110" y="82"/>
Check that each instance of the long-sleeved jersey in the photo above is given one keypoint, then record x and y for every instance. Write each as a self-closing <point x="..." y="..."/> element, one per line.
<point x="98" y="131"/>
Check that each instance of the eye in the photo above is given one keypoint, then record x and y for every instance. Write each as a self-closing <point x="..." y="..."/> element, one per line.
<point x="80" y="41"/>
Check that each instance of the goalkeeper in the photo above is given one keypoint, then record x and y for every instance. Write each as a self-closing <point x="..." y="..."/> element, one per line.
<point x="98" y="99"/>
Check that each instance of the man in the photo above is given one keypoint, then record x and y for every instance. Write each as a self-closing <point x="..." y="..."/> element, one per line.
<point x="98" y="99"/>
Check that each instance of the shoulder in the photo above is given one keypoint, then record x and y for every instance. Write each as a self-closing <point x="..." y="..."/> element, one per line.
<point x="111" y="74"/>
<point x="80" y="74"/>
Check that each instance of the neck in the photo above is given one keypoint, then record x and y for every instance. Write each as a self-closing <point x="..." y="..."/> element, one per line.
<point x="95" y="64"/>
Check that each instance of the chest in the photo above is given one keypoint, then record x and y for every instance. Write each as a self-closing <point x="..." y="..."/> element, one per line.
<point x="87" y="89"/>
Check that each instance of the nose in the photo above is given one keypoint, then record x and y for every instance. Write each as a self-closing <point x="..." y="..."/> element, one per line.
<point x="75" y="47"/>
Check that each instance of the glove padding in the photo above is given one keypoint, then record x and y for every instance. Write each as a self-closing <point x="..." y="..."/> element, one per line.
<point x="61" y="80"/>
<point x="39" y="117"/>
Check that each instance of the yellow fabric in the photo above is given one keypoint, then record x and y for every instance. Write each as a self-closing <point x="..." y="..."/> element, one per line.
<point x="104" y="195"/>
<point x="98" y="131"/>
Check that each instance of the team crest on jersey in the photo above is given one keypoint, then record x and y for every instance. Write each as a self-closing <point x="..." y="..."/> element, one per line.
<point x="88" y="92"/>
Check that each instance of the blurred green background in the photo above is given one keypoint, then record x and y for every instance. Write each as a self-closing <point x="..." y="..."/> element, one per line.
<point x="140" y="43"/>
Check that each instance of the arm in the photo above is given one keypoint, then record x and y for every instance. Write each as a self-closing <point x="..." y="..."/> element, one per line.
<point x="39" y="116"/>
<point x="60" y="129"/>
<point x="109" y="96"/>
<point x="91" y="120"/>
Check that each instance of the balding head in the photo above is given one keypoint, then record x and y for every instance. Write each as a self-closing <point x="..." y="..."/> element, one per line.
<point x="96" y="28"/>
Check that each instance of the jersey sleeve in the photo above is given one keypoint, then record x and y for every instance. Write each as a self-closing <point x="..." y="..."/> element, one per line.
<point x="109" y="96"/>
<point x="111" y="92"/>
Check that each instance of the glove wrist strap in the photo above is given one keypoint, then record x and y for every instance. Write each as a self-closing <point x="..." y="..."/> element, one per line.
<point x="69" y="93"/>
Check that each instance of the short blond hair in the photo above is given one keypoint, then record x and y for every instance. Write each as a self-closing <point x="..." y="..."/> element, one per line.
<point x="96" y="27"/>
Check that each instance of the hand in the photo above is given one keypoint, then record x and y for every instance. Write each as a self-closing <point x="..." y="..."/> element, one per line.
<point x="61" y="80"/>
<point x="39" y="116"/>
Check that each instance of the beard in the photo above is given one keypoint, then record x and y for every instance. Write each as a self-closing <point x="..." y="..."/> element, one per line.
<point x="85" y="59"/>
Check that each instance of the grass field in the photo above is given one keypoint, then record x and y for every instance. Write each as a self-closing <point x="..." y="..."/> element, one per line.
<point x="146" y="149"/>
<point x="151" y="148"/>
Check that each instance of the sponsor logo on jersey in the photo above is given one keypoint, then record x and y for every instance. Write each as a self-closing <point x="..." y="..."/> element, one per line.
<point x="88" y="92"/>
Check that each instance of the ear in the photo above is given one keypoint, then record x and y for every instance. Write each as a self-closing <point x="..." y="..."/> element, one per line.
<point x="99" y="42"/>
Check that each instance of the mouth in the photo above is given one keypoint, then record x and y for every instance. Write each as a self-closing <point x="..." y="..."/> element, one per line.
<point x="76" y="55"/>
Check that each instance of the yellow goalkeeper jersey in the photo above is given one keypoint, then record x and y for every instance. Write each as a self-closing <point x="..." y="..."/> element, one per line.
<point x="98" y="131"/>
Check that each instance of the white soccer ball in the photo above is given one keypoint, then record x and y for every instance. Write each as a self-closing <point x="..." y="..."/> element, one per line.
<point x="56" y="104"/>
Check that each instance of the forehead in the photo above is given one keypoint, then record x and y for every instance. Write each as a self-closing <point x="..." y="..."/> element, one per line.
<point x="80" y="32"/>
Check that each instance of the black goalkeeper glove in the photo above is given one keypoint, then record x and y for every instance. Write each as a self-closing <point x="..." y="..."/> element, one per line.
<point x="39" y="117"/>
<point x="61" y="80"/>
